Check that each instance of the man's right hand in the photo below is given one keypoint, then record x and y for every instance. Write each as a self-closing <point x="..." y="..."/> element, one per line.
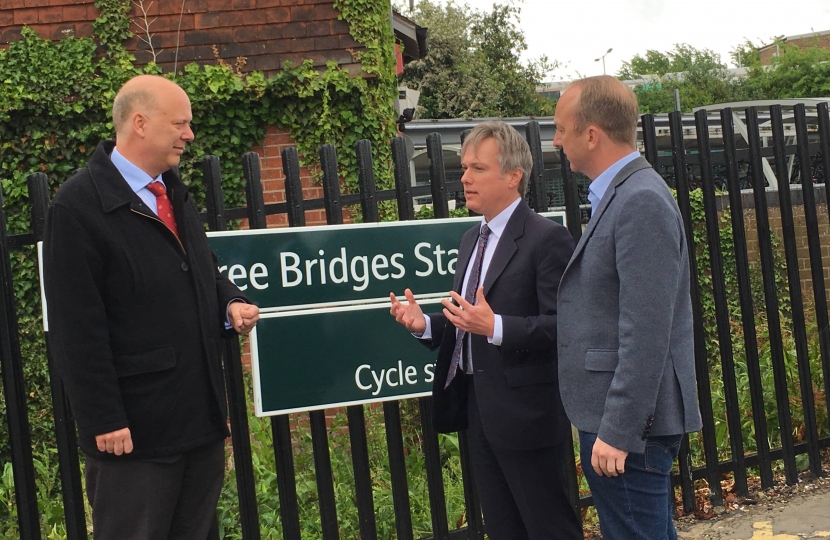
<point x="409" y="314"/>
<point x="115" y="442"/>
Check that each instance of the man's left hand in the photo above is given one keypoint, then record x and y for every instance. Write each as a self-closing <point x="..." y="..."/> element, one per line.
<point x="477" y="319"/>
<point x="242" y="316"/>
<point x="607" y="460"/>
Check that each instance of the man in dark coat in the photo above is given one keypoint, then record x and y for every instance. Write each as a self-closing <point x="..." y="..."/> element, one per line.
<point x="136" y="312"/>
<point x="496" y="373"/>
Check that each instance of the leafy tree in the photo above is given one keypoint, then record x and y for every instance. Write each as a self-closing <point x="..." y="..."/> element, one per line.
<point x="473" y="68"/>
<point x="698" y="74"/>
<point x="746" y="54"/>
<point x="795" y="73"/>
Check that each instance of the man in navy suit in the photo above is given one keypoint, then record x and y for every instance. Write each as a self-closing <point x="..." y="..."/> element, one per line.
<point x="496" y="373"/>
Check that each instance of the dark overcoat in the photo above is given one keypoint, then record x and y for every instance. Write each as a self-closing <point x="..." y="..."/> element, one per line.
<point x="135" y="315"/>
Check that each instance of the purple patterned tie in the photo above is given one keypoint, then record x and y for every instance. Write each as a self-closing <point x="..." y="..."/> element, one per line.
<point x="470" y="297"/>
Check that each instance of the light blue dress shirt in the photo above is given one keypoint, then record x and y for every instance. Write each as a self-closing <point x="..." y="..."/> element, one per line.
<point x="600" y="184"/>
<point x="497" y="226"/>
<point x="137" y="179"/>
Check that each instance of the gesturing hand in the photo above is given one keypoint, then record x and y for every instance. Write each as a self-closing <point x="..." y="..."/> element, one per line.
<point x="115" y="442"/>
<point x="607" y="460"/>
<point x="477" y="319"/>
<point x="410" y="314"/>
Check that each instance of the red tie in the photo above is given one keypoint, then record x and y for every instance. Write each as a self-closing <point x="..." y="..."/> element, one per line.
<point x="165" y="209"/>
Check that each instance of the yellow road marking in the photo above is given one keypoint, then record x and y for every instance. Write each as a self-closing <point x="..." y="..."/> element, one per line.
<point x="763" y="531"/>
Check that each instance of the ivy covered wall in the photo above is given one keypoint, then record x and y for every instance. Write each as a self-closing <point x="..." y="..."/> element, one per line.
<point x="55" y="100"/>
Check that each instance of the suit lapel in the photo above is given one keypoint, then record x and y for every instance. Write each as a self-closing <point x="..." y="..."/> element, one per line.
<point x="506" y="247"/>
<point x="638" y="164"/>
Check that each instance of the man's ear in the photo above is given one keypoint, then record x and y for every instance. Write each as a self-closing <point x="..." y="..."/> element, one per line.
<point x="595" y="135"/>
<point x="514" y="178"/>
<point x="138" y="123"/>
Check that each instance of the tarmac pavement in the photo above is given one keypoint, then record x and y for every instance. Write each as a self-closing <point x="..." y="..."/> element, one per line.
<point x="804" y="515"/>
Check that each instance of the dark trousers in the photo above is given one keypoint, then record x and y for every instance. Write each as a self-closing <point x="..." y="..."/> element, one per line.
<point x="156" y="500"/>
<point x="522" y="492"/>
<point x="636" y="505"/>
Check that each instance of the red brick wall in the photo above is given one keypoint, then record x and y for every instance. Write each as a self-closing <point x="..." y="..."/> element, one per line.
<point x="811" y="41"/>
<point x="273" y="179"/>
<point x="800" y="240"/>
<point x="266" y="32"/>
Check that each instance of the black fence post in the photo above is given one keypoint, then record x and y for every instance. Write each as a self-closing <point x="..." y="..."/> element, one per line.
<point x="391" y="409"/>
<point x="573" y="212"/>
<point x="649" y="140"/>
<point x="25" y="493"/>
<point x="824" y="335"/>
<point x="788" y="228"/>
<point x="771" y="296"/>
<point x="65" y="437"/>
<point x="701" y="364"/>
<point x="280" y="424"/>
<point x="538" y="197"/>
<point x="366" y="181"/>
<point x="355" y="413"/>
<point x="254" y="200"/>
<point x="756" y="388"/>
<point x="819" y="291"/>
<point x="234" y="382"/>
<point x="730" y="385"/>
<point x="293" y="187"/>
<point x="437" y="176"/>
<point x="319" y="430"/>
<point x="403" y="180"/>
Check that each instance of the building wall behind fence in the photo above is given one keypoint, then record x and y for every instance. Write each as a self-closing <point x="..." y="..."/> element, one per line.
<point x="800" y="239"/>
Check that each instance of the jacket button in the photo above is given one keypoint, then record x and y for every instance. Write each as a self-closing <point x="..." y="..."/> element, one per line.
<point x="185" y="268"/>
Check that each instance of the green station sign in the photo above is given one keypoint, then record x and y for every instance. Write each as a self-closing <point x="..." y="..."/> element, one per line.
<point x="336" y="357"/>
<point x="325" y="337"/>
<point x="304" y="267"/>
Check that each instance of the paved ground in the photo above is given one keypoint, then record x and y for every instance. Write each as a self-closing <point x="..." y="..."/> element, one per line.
<point x="805" y="515"/>
<point x="782" y="513"/>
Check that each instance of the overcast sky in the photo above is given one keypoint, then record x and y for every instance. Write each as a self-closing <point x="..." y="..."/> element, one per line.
<point x="577" y="32"/>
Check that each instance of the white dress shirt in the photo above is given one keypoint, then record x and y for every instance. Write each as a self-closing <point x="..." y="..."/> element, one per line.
<point x="497" y="226"/>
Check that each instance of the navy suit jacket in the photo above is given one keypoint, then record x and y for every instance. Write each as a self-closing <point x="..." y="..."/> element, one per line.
<point x="516" y="383"/>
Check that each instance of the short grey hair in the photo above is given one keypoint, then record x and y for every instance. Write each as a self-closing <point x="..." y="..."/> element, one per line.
<point x="514" y="152"/>
<point x="127" y="102"/>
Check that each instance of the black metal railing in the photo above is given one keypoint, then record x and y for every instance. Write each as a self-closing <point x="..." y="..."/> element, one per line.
<point x="741" y="168"/>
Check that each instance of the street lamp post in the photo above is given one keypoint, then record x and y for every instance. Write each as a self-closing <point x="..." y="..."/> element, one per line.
<point x="603" y="59"/>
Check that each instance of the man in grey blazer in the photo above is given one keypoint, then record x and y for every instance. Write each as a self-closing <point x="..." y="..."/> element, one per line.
<point x="626" y="354"/>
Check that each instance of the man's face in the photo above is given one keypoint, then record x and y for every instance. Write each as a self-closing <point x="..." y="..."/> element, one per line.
<point x="486" y="189"/>
<point x="167" y="130"/>
<point x="575" y="144"/>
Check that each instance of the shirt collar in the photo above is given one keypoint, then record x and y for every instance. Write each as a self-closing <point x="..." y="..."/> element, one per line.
<point x="135" y="177"/>
<point x="599" y="186"/>
<point x="498" y="223"/>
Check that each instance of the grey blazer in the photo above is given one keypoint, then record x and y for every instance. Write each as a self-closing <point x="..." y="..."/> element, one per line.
<point x="626" y="346"/>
